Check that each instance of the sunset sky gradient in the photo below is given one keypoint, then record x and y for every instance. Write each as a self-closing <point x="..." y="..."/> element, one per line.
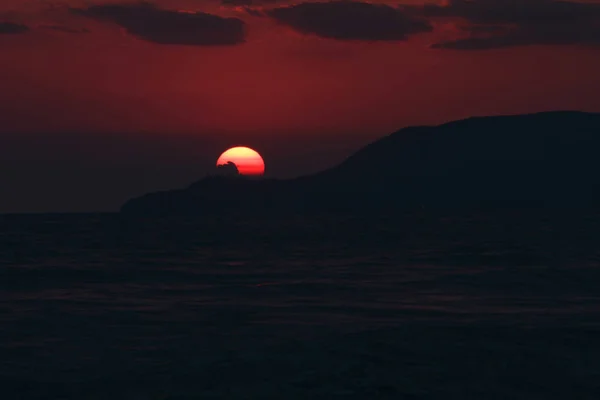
<point x="102" y="100"/>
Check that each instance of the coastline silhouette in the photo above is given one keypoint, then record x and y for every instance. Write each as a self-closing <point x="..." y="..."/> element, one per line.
<point x="536" y="160"/>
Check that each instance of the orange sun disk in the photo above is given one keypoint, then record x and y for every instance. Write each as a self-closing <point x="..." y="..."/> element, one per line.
<point x="247" y="161"/>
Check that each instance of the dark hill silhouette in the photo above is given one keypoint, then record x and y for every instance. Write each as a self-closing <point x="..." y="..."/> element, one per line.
<point x="228" y="169"/>
<point x="540" y="160"/>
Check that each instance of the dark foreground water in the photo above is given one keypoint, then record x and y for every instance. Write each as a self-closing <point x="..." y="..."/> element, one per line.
<point x="415" y="307"/>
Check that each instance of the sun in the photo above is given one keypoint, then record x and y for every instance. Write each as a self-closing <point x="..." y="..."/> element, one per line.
<point x="247" y="161"/>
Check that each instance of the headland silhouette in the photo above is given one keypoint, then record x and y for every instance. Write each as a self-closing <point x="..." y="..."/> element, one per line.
<point x="547" y="159"/>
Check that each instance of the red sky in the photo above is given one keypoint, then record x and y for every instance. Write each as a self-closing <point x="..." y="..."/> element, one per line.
<point x="102" y="100"/>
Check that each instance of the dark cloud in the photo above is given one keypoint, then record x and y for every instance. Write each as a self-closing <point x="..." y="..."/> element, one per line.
<point x="253" y="12"/>
<point x="8" y="28"/>
<point x="509" y="23"/>
<point x="170" y="27"/>
<point x="349" y="20"/>
<point x="237" y="3"/>
<point x="485" y="29"/>
<point x="66" y="29"/>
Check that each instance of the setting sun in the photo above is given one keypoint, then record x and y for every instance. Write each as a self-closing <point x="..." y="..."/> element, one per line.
<point x="247" y="161"/>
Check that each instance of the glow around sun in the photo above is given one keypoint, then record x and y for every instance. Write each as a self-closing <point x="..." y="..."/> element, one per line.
<point x="247" y="161"/>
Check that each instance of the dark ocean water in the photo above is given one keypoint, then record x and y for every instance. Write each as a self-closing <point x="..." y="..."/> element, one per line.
<point x="414" y="307"/>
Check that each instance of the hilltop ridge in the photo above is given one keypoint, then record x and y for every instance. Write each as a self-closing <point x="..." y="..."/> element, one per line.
<point x="536" y="160"/>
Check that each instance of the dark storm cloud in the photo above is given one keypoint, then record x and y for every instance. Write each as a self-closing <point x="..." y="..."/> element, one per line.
<point x="509" y="23"/>
<point x="349" y="20"/>
<point x="8" y="28"/>
<point x="170" y="27"/>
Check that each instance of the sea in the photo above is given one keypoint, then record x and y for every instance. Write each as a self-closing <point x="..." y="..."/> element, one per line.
<point x="423" y="305"/>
